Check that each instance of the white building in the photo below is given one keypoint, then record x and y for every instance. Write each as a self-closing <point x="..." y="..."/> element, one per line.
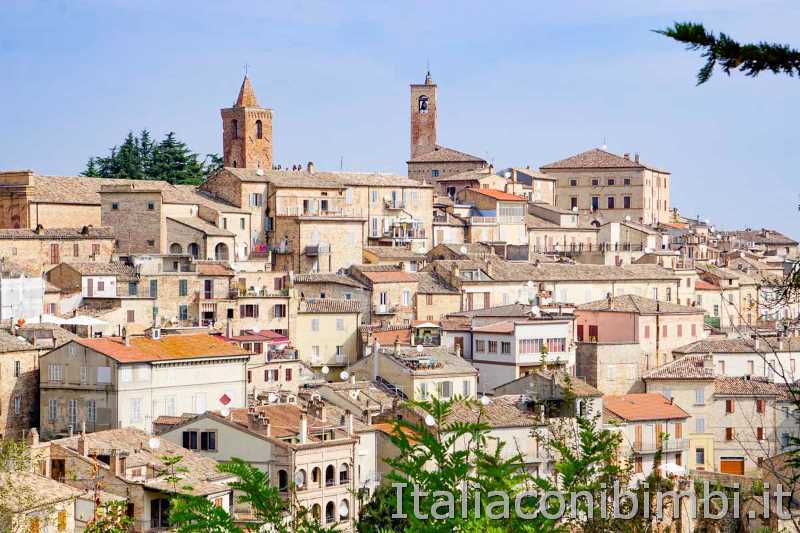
<point x="774" y="358"/>
<point x="506" y="350"/>
<point x="21" y="296"/>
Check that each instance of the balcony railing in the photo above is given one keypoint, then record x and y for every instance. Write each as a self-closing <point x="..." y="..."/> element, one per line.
<point x="330" y="212"/>
<point x="317" y="249"/>
<point x="388" y="203"/>
<point x="384" y="309"/>
<point x="282" y="248"/>
<point x="428" y="340"/>
<point x="666" y="445"/>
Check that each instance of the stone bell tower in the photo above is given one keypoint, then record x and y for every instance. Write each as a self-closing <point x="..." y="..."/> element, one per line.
<point x="423" y="117"/>
<point x="247" y="131"/>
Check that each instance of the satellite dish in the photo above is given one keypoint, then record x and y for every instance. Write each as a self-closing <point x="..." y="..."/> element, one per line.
<point x="506" y="174"/>
<point x="627" y="218"/>
<point x="154" y="443"/>
<point x="256" y="329"/>
<point x="344" y="375"/>
<point x="300" y="478"/>
<point x="225" y="411"/>
<point x="419" y="348"/>
<point x="325" y="370"/>
<point x="485" y="400"/>
<point x="463" y="249"/>
<point x="575" y="209"/>
<point x="344" y="510"/>
<point x="535" y="310"/>
<point x="529" y="284"/>
<point x="272" y="398"/>
<point x="429" y="420"/>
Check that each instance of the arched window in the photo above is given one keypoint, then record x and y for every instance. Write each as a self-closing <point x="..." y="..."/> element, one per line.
<point x="330" y="476"/>
<point x="300" y="479"/>
<point x="259" y="130"/>
<point x="344" y="474"/>
<point x="283" y="480"/>
<point x="316" y="511"/>
<point x="422" y="104"/>
<point x="235" y="129"/>
<point x="194" y="250"/>
<point x="344" y="510"/>
<point x="221" y="252"/>
<point x="175" y="248"/>
<point x="330" y="512"/>
<point x="316" y="476"/>
<point x="235" y="164"/>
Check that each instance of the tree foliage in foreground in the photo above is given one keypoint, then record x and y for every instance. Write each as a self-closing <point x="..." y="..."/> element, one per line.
<point x="142" y="158"/>
<point x="750" y="59"/>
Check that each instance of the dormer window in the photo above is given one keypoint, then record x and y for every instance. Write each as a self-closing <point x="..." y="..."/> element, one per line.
<point x="423" y="104"/>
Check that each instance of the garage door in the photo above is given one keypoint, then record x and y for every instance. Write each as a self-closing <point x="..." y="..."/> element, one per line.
<point x="732" y="466"/>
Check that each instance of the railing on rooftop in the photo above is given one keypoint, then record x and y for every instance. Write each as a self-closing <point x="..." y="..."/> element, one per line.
<point x="334" y="212"/>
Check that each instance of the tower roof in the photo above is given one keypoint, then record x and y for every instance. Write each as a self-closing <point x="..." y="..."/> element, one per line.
<point x="428" y="78"/>
<point x="247" y="96"/>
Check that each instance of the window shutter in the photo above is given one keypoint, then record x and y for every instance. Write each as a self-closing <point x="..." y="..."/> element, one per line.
<point x="204" y="440"/>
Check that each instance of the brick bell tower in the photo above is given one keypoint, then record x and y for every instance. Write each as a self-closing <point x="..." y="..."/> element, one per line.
<point x="423" y="117"/>
<point x="247" y="131"/>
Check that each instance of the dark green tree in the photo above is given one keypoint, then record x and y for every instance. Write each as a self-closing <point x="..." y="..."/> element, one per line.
<point x="175" y="163"/>
<point x="750" y="59"/>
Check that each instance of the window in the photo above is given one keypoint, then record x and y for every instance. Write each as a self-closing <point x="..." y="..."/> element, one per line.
<point x="52" y="410"/>
<point x="751" y="368"/>
<point x="595" y="182"/>
<point x="423" y="391"/>
<point x="259" y="130"/>
<point x="101" y="285"/>
<point x="429" y="299"/>
<point x="647" y="332"/>
<point x="235" y="129"/>
<point x="626" y="181"/>
<point x="680" y="330"/>
<point x="444" y="389"/>
<point x="72" y="412"/>
<point x="721" y="367"/>
<point x="694" y="330"/>
<point x="374" y="198"/>
<point x="183" y="287"/>
<point x="17" y="368"/>
<point x="679" y="459"/>
<point x="76" y="250"/>
<point x="208" y="441"/>
<point x="256" y="199"/>
<point x="669" y="294"/>
<point x="611" y="181"/>
<point x="700" y="456"/>
<point x="151" y="206"/>
<point x="492" y="346"/>
<point x="664" y="331"/>
<point x="183" y="312"/>
<point x="339" y="324"/>
<point x="573" y="202"/>
<point x="406" y="297"/>
<point x="248" y="311"/>
<point x="422" y="104"/>
<point x="480" y="346"/>
<point x="190" y="440"/>
<point x="224" y="223"/>
<point x="466" y="390"/>
<point x="595" y="203"/>
<point x="131" y="316"/>
<point x="716" y="310"/>
<point x="760" y="406"/>
<point x="729" y="407"/>
<point x="505" y="347"/>
<point x="241" y="223"/>
<point x="153" y="288"/>
<point x="287" y="374"/>
<point x="17" y="405"/>
<point x="637" y="466"/>
<point x="55" y="372"/>
<point x="114" y="206"/>
<point x="315" y="324"/>
<point x="103" y="374"/>
<point x="700" y="425"/>
<point x="280" y="310"/>
<point x="626" y="202"/>
<point x="729" y="434"/>
<point x="133" y="289"/>
<point x="91" y="410"/>
<point x="678" y="430"/>
<point x="699" y="396"/>
<point x="434" y="173"/>
<point x="84" y="375"/>
<point x="573" y="183"/>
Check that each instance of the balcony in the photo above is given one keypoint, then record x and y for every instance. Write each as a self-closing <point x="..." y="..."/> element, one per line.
<point x="388" y="203"/>
<point x="666" y="445"/>
<point x="317" y="249"/>
<point x="282" y="248"/>
<point x="323" y="212"/>
<point x="428" y="340"/>
<point x="384" y="309"/>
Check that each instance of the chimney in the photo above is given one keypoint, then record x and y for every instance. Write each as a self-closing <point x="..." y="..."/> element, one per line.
<point x="636" y="157"/>
<point x="33" y="437"/>
<point x="671" y="399"/>
<point x="353" y="379"/>
<point x="349" y="421"/>
<point x="82" y="448"/>
<point x="626" y="155"/>
<point x="397" y="345"/>
<point x="458" y="350"/>
<point x="303" y="428"/>
<point x="310" y="167"/>
<point x="125" y="336"/>
<point x="375" y="361"/>
<point x="118" y="462"/>
<point x="268" y="427"/>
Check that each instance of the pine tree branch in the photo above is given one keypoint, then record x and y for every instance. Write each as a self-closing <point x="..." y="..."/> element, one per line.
<point x="750" y="59"/>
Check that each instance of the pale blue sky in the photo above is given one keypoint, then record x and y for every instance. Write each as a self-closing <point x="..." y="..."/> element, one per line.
<point x="519" y="83"/>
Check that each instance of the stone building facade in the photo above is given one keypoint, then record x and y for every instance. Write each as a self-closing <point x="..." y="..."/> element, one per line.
<point x="40" y="249"/>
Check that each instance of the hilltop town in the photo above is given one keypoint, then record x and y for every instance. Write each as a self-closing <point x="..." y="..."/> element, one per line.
<point x="286" y="315"/>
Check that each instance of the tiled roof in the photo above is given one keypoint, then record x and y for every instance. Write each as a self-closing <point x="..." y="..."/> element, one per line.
<point x="390" y="336"/>
<point x="502" y="412"/>
<point x="23" y="491"/>
<point x="631" y="303"/>
<point x="506" y="326"/>
<point x="446" y="363"/>
<point x="703" y="285"/>
<point x="442" y="154"/>
<point x="167" y="348"/>
<point x="201" y="225"/>
<point x="324" y="277"/>
<point x="575" y="385"/>
<point x="115" y="268"/>
<point x="762" y="236"/>
<point x="397" y="276"/>
<point x="13" y="343"/>
<point x="510" y="310"/>
<point x="597" y="158"/>
<point x="468" y="175"/>
<point x="500" y="195"/>
<point x="247" y="96"/>
<point x="191" y="194"/>
<point x="329" y="305"/>
<point x="214" y="268"/>
<point x="87" y="232"/>
<point x="686" y="367"/>
<point x="393" y="252"/>
<point x="513" y="271"/>
<point x="643" y="406"/>
<point x="302" y="179"/>
<point x="431" y="283"/>
<point x="201" y="472"/>
<point x="728" y="386"/>
<point x="787" y="344"/>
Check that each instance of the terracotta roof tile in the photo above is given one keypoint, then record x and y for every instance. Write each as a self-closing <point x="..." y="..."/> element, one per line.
<point x="728" y="386"/>
<point x="397" y="276"/>
<point x="329" y="305"/>
<point x="686" y="367"/>
<point x="596" y="158"/>
<point x="114" y="268"/>
<point x="442" y="154"/>
<point x="201" y="225"/>
<point x="645" y="406"/>
<point x="167" y="348"/>
<point x="500" y="195"/>
<point x="87" y="232"/>
<point x="323" y="277"/>
<point x="631" y="303"/>
<point x="214" y="268"/>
